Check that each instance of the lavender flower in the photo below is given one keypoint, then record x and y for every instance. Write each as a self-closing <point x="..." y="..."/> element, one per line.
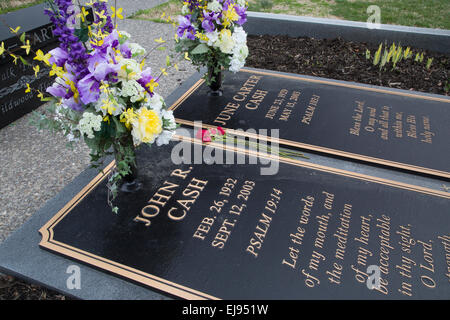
<point x="210" y="18"/>
<point x="185" y="27"/>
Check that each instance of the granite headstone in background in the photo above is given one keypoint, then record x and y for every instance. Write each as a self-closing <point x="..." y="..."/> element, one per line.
<point x="14" y="102"/>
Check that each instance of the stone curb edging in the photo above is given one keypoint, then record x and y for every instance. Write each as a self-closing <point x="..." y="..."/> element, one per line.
<point x="259" y="23"/>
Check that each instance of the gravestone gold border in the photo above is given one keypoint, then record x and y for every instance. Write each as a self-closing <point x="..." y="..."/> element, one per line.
<point x="164" y="285"/>
<point x="311" y="147"/>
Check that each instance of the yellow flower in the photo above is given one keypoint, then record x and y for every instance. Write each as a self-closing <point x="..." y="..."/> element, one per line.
<point x="128" y="117"/>
<point x="163" y="71"/>
<point x="28" y="89"/>
<point x="101" y="15"/>
<point x="229" y="16"/>
<point x="15" y="57"/>
<point x="14" y="30"/>
<point x="40" y="95"/>
<point x="58" y="71"/>
<point x="117" y="13"/>
<point x="147" y="125"/>
<point x="36" y="69"/>
<point x="108" y="105"/>
<point x="2" y="48"/>
<point x="27" y="47"/>
<point x="186" y="56"/>
<point x="41" y="57"/>
<point x="152" y="85"/>
<point x="160" y="40"/>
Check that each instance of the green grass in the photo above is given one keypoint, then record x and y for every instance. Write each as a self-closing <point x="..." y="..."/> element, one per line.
<point x="418" y="13"/>
<point x="13" y="5"/>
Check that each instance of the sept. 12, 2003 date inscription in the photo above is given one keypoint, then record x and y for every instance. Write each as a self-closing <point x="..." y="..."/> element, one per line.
<point x="230" y="206"/>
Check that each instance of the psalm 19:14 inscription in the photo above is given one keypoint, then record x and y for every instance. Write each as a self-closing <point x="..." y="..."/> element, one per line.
<point x="225" y="231"/>
<point x="398" y="129"/>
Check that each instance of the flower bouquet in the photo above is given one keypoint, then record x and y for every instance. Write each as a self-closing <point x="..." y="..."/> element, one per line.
<point x="102" y="93"/>
<point x="211" y="34"/>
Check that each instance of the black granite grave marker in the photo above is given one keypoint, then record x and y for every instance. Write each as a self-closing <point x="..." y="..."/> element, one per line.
<point x="390" y="127"/>
<point x="226" y="231"/>
<point x="14" y="102"/>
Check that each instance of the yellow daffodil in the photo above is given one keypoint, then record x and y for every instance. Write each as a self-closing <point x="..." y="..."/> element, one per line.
<point x="27" y="47"/>
<point x="117" y="12"/>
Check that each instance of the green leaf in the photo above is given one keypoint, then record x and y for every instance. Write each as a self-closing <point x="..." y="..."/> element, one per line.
<point x="161" y="48"/>
<point x="22" y="38"/>
<point x="82" y="34"/>
<point x="201" y="48"/>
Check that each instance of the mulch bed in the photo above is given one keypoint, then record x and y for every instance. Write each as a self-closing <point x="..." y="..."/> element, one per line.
<point x="345" y="60"/>
<point x="15" y="289"/>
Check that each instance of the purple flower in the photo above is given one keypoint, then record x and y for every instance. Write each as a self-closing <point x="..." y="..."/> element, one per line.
<point x="59" y="57"/>
<point x="89" y="89"/>
<point x="185" y="27"/>
<point x="241" y="11"/>
<point x="103" y="70"/>
<point x="146" y="78"/>
<point x="72" y="104"/>
<point x="57" y="90"/>
<point x="208" y="22"/>
<point x="126" y="51"/>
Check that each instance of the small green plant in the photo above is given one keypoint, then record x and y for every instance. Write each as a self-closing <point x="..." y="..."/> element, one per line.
<point x="395" y="54"/>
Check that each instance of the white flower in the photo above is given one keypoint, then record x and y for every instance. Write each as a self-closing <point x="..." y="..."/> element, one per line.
<point x="136" y="49"/>
<point x="164" y="137"/>
<point x="106" y="106"/>
<point x="169" y="119"/>
<point x="241" y="3"/>
<point x="124" y="35"/>
<point x="89" y="123"/>
<point x="239" y="35"/>
<point x="130" y="65"/>
<point x="236" y="65"/>
<point x="132" y="89"/>
<point x="185" y="9"/>
<point x="212" y="38"/>
<point x="226" y="42"/>
<point x="214" y="6"/>
<point x="156" y="102"/>
<point x="240" y="52"/>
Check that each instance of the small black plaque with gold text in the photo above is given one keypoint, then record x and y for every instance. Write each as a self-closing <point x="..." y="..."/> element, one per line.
<point x="226" y="231"/>
<point x="394" y="128"/>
